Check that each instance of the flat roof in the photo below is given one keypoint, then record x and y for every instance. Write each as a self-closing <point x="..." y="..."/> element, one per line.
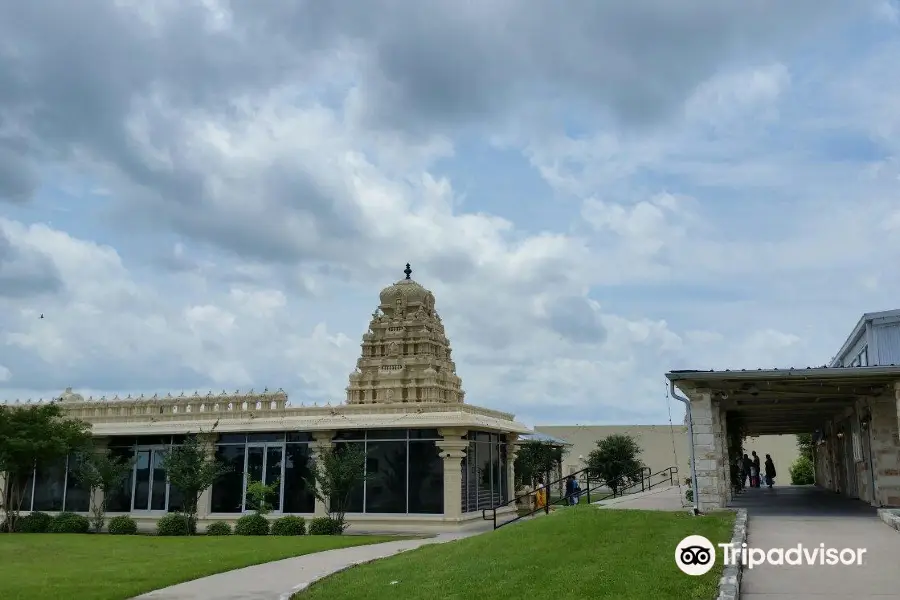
<point x="773" y="401"/>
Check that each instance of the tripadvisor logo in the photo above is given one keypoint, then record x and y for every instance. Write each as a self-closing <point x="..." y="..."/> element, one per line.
<point x="696" y="555"/>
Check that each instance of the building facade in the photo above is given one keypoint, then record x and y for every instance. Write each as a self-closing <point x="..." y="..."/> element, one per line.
<point x="433" y="462"/>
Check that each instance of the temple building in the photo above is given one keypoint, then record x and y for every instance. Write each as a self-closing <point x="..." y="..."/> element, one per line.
<point x="433" y="461"/>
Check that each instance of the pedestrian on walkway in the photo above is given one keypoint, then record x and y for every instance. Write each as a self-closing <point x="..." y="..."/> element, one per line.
<point x="747" y="466"/>
<point x="570" y="490"/>
<point x="540" y="494"/>
<point x="756" y="466"/>
<point x="770" y="471"/>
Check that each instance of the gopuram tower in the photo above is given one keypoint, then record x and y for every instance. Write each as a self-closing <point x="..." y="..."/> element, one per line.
<point x="405" y="352"/>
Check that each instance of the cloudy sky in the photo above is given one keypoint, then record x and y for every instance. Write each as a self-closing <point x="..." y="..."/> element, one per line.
<point x="202" y="194"/>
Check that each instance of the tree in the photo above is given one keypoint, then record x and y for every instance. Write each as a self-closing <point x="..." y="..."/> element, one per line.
<point x="258" y="495"/>
<point x="99" y="470"/>
<point x="806" y="446"/>
<point x="615" y="461"/>
<point x="534" y="459"/>
<point x="32" y="437"/>
<point x="191" y="470"/>
<point x="337" y="472"/>
<point x="802" y="471"/>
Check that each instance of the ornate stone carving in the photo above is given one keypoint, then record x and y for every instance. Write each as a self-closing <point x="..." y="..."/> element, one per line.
<point x="405" y="355"/>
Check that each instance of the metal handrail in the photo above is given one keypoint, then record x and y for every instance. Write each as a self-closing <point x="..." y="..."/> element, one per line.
<point x="645" y="481"/>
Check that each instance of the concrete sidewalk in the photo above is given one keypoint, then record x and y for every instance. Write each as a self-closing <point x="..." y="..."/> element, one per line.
<point x="786" y="516"/>
<point x="281" y="579"/>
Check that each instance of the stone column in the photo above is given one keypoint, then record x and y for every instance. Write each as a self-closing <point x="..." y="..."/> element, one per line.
<point x="452" y="449"/>
<point x="708" y="450"/>
<point x="512" y="449"/>
<point x="885" y="449"/>
<point x="204" y="503"/>
<point x="321" y="444"/>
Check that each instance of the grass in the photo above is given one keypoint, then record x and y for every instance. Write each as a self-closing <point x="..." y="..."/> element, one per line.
<point x="108" y="567"/>
<point x="575" y="553"/>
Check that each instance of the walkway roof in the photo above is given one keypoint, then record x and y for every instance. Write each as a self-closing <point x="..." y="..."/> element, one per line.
<point x="776" y="401"/>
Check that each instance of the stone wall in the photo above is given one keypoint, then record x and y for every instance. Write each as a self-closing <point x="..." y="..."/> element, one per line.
<point x="885" y="451"/>
<point x="709" y="443"/>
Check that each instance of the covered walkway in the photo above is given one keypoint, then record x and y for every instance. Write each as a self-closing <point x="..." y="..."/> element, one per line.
<point x="812" y="516"/>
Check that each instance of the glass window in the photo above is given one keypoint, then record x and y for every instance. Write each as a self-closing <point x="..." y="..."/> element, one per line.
<point x="160" y="482"/>
<point x="386" y="477"/>
<point x="484" y="475"/>
<point x="49" y="487"/>
<point x="277" y="436"/>
<point x="426" y="478"/>
<point x="120" y="497"/>
<point x="386" y="434"/>
<point x="357" y="496"/>
<point x="232" y="438"/>
<point x="496" y="480"/>
<point x="504" y="484"/>
<point x="298" y="469"/>
<point x="274" y="463"/>
<point x="424" y="434"/>
<point x="154" y="440"/>
<point x="299" y="436"/>
<point x="78" y="496"/>
<point x="228" y="490"/>
<point x="120" y="441"/>
<point x="350" y="435"/>
<point x="472" y="477"/>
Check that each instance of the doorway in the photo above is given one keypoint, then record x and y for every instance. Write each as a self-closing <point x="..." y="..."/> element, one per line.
<point x="265" y="462"/>
<point x="150" y="490"/>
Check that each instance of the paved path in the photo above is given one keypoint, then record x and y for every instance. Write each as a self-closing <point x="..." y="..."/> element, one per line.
<point x="281" y="579"/>
<point x="786" y="516"/>
<point x="667" y="498"/>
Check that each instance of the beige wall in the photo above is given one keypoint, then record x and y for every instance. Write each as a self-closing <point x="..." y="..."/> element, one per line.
<point x="656" y="442"/>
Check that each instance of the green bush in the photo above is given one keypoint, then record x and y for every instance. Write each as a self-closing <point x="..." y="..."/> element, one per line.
<point x="289" y="526"/>
<point x="254" y="524"/>
<point x="325" y="526"/>
<point x="803" y="472"/>
<point x="689" y="495"/>
<point x="174" y="524"/>
<point x="122" y="525"/>
<point x="218" y="528"/>
<point x="36" y="522"/>
<point x="67" y="522"/>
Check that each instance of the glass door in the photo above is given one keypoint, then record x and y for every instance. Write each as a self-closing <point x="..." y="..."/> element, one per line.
<point x="265" y="462"/>
<point x="151" y="488"/>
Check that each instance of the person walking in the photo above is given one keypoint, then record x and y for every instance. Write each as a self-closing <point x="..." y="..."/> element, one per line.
<point x="540" y="494"/>
<point x="570" y="490"/>
<point x="747" y="466"/>
<point x="770" y="471"/>
<point x="756" y="465"/>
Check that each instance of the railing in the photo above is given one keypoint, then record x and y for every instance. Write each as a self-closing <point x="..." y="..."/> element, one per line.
<point x="642" y="477"/>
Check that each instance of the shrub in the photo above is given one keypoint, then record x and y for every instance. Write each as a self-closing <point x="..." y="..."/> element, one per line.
<point x="122" y="525"/>
<point x="289" y="526"/>
<point x="689" y="495"/>
<point x="802" y="472"/>
<point x="687" y="481"/>
<point x="218" y="528"/>
<point x="174" y="524"/>
<point x="36" y="522"/>
<point x="254" y="524"/>
<point x="325" y="526"/>
<point x="67" y="522"/>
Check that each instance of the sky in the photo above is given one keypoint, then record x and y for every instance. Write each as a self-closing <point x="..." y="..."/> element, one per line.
<point x="209" y="195"/>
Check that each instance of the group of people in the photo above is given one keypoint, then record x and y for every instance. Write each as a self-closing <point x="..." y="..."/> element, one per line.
<point x="751" y="474"/>
<point x="573" y="492"/>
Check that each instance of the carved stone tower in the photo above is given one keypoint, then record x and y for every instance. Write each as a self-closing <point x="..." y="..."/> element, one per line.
<point x="405" y="354"/>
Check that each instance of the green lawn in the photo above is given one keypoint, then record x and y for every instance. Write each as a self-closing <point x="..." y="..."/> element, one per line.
<point x="107" y="567"/>
<point x="578" y="553"/>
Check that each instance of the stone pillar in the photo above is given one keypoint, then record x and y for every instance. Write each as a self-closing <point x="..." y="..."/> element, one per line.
<point x="204" y="502"/>
<point x="512" y="449"/>
<point x="709" y="452"/>
<point x="452" y="449"/>
<point x="885" y="448"/>
<point x="321" y="444"/>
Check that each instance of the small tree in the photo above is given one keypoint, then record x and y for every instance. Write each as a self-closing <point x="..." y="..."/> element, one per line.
<point x="805" y="445"/>
<point x="337" y="472"/>
<point x="258" y="495"/>
<point x="99" y="470"/>
<point x="616" y="461"/>
<point x="534" y="459"/>
<point x="191" y="470"/>
<point x="32" y="437"/>
<point x="802" y="471"/>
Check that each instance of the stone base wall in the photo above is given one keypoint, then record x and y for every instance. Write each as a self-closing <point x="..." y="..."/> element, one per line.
<point x="710" y="450"/>
<point x="885" y="451"/>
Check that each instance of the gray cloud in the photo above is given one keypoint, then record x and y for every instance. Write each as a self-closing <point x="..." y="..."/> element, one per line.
<point x="576" y="320"/>
<point x="25" y="272"/>
<point x="71" y="74"/>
